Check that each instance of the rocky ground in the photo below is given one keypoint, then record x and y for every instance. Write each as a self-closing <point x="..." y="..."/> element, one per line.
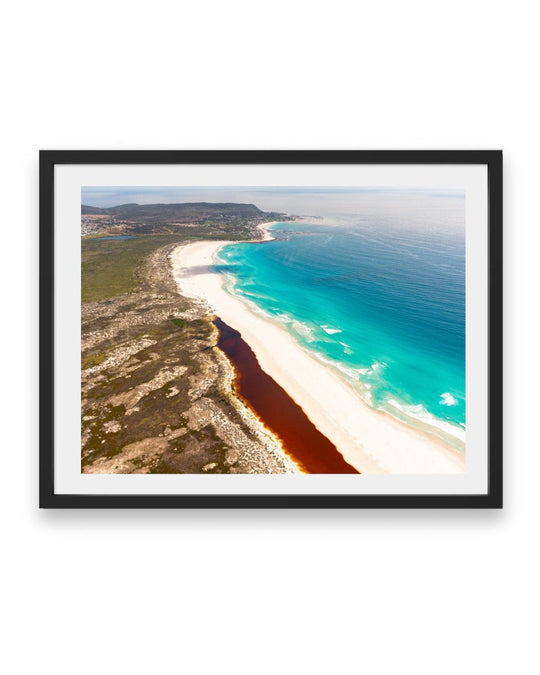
<point x="157" y="395"/>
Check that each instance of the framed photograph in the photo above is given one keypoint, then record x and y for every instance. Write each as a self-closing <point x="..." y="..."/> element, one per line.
<point x="312" y="329"/>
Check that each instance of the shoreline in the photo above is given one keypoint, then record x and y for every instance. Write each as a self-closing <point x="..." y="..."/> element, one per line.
<point x="266" y="234"/>
<point x="371" y="441"/>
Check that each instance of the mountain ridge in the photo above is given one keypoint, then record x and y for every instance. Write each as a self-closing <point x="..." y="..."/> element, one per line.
<point x="174" y="211"/>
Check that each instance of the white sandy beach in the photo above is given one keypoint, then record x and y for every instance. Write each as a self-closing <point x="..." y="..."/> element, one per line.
<point x="371" y="441"/>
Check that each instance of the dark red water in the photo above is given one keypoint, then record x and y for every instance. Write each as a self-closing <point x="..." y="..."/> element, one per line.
<point x="277" y="410"/>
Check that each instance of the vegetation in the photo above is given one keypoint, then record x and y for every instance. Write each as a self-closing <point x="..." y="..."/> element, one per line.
<point x="92" y="359"/>
<point x="154" y="398"/>
<point x="191" y="212"/>
<point x="111" y="268"/>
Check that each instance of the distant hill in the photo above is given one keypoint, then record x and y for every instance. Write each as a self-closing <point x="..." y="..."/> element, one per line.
<point x="188" y="212"/>
<point x="91" y="211"/>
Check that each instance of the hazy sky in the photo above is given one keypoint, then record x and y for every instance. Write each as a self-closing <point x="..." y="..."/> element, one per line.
<point x="406" y="207"/>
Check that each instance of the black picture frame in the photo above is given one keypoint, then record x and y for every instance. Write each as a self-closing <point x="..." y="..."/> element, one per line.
<point x="490" y="158"/>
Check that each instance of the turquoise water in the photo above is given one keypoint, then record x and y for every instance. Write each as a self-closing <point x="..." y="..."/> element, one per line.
<point x="385" y="307"/>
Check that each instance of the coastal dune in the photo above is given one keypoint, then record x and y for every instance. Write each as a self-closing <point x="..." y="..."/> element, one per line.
<point x="369" y="440"/>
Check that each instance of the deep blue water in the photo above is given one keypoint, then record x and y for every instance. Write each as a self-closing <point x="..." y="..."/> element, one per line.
<point x="384" y="306"/>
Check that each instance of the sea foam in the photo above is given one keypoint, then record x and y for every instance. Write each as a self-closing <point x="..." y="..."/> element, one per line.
<point x="418" y="412"/>
<point x="448" y="399"/>
<point x="331" y="331"/>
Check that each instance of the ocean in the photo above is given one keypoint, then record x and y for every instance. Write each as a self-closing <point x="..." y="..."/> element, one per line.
<point x="379" y="301"/>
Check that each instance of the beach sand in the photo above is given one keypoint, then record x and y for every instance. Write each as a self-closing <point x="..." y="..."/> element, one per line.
<point x="369" y="440"/>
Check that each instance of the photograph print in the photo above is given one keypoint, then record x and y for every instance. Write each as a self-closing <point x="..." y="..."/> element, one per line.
<point x="282" y="338"/>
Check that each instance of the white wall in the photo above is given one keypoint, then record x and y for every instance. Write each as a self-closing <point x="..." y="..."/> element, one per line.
<point x="241" y="592"/>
